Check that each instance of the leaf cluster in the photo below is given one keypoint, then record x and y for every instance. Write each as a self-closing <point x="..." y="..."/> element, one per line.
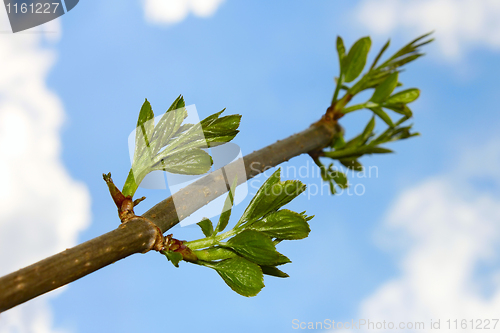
<point x="352" y="64"/>
<point x="383" y="79"/>
<point x="242" y="255"/>
<point x="173" y="146"/>
<point x="366" y="143"/>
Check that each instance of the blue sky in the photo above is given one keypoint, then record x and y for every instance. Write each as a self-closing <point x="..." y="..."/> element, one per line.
<point x="418" y="244"/>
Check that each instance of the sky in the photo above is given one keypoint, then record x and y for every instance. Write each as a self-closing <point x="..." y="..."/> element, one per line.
<point x="420" y="244"/>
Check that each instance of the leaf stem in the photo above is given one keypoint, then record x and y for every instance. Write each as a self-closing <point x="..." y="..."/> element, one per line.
<point x="211" y="240"/>
<point x="340" y="81"/>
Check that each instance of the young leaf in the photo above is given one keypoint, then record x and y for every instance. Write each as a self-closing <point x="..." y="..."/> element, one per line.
<point x="338" y="141"/>
<point x="282" y="260"/>
<point x="174" y="257"/>
<point x="283" y="224"/>
<point x="226" y="213"/>
<point x="368" y="131"/>
<point x="340" y="51"/>
<point x="215" y="253"/>
<point x="379" y="55"/>
<point x="341" y="179"/>
<point x="206" y="227"/>
<point x="400" y="108"/>
<point x="385" y="89"/>
<point x="355" y="60"/>
<point x="354" y="142"/>
<point x="241" y="275"/>
<point x="411" y="48"/>
<point x="220" y="130"/>
<point x="271" y="196"/>
<point x="351" y="163"/>
<point x="377" y="75"/>
<point x="187" y="162"/>
<point x="254" y="246"/>
<point x="383" y="115"/>
<point x="404" y="60"/>
<point x="405" y="96"/>
<point x="273" y="271"/>
<point x="210" y="119"/>
<point x="177" y="104"/>
<point x="167" y="127"/>
<point x="144" y="129"/>
<point x="377" y="150"/>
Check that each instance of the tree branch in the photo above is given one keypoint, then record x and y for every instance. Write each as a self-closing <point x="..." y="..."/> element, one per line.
<point x="138" y="235"/>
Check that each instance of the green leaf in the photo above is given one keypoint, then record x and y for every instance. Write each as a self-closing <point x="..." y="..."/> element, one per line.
<point x="177" y="104"/>
<point x="351" y="163"/>
<point x="220" y="130"/>
<point x="273" y="271"/>
<point x="241" y="275"/>
<point x="210" y="119"/>
<point x="355" y="60"/>
<point x="338" y="141"/>
<point x="385" y="89"/>
<point x="354" y="142"/>
<point x="354" y="152"/>
<point x="271" y="196"/>
<point x="144" y="129"/>
<point x="401" y="120"/>
<point x="383" y="115"/>
<point x="379" y="55"/>
<point x="174" y="257"/>
<point x="254" y="246"/>
<point x="206" y="227"/>
<point x="375" y="76"/>
<point x="326" y="174"/>
<point x="406" y="54"/>
<point x="340" y="51"/>
<point x="405" y="96"/>
<point x="400" y="108"/>
<point x="404" y="60"/>
<point x="167" y="127"/>
<point x="215" y="253"/>
<point x="412" y="46"/>
<point x="282" y="260"/>
<point x="283" y="224"/>
<point x="368" y="131"/>
<point x="187" y="162"/>
<point x="377" y="150"/>
<point x="341" y="179"/>
<point x="173" y="146"/>
<point x="226" y="211"/>
<point x="402" y="133"/>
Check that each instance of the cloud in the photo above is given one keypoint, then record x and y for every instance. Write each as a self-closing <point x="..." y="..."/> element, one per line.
<point x="42" y="209"/>
<point x="460" y="24"/>
<point x="446" y="234"/>
<point x="174" y="11"/>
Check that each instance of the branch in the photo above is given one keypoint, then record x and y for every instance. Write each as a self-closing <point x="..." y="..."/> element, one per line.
<point x="138" y="235"/>
<point x="142" y="234"/>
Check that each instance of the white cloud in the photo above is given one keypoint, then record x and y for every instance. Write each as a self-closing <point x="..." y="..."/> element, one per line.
<point x="446" y="234"/>
<point x="459" y="24"/>
<point x="174" y="11"/>
<point x="42" y="208"/>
